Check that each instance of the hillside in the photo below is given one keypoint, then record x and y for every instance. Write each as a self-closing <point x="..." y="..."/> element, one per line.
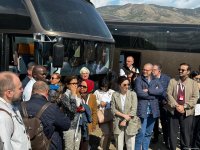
<point x="150" y="13"/>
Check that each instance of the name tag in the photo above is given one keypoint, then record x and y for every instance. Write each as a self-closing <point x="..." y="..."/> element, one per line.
<point x="181" y="98"/>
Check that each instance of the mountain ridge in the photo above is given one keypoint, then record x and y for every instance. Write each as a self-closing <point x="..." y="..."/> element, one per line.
<point x="149" y="13"/>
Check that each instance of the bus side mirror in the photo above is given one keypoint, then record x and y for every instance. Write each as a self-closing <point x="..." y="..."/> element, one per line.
<point x="58" y="55"/>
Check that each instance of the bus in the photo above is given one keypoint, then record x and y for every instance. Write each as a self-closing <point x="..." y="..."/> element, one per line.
<point x="166" y="44"/>
<point x="63" y="35"/>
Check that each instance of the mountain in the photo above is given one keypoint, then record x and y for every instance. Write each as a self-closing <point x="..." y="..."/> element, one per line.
<point x="150" y="13"/>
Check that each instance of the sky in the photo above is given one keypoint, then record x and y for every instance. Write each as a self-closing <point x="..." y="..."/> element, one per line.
<point x="174" y="3"/>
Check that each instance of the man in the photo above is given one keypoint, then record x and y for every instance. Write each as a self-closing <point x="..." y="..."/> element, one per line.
<point x="164" y="80"/>
<point x="129" y="66"/>
<point x="30" y="67"/>
<point x="39" y="74"/>
<point x="182" y="95"/>
<point x="54" y="121"/>
<point x="148" y="88"/>
<point x="12" y="131"/>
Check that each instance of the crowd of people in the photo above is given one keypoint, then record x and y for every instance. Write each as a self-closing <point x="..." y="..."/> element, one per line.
<point x="136" y="105"/>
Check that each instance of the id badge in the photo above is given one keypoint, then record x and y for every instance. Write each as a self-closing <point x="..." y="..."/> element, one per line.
<point x="181" y="98"/>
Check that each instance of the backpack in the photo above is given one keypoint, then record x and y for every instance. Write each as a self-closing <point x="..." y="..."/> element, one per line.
<point x="34" y="128"/>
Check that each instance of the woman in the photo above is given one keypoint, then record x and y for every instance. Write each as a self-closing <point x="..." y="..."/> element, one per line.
<point x="103" y="96"/>
<point x="56" y="88"/>
<point x="84" y="73"/>
<point x="69" y="103"/>
<point x="85" y="89"/>
<point x="124" y="108"/>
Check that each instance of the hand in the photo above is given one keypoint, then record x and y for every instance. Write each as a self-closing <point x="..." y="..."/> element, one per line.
<point x="145" y="90"/>
<point x="127" y="117"/>
<point x="73" y="89"/>
<point x="123" y="123"/>
<point x="103" y="104"/>
<point x="180" y="108"/>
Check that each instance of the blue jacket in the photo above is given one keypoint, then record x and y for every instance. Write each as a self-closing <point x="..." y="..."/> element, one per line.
<point x="164" y="80"/>
<point x="155" y="89"/>
<point x="53" y="120"/>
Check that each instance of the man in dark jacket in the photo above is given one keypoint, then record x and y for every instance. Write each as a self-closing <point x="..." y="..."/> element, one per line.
<point x="164" y="80"/>
<point x="53" y="120"/>
<point x="148" y="88"/>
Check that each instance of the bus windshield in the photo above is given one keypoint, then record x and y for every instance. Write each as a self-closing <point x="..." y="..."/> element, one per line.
<point x="72" y="16"/>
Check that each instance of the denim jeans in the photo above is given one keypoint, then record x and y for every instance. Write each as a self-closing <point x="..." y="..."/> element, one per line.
<point x="144" y="135"/>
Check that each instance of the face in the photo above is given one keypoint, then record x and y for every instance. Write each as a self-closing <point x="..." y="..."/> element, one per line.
<point x="72" y="84"/>
<point x="54" y="79"/>
<point x="183" y="71"/>
<point x="156" y="72"/>
<point x="104" y="88"/>
<point x="84" y="75"/>
<point x="41" y="75"/>
<point x="124" y="86"/>
<point x="129" y="61"/>
<point x="83" y="87"/>
<point x="17" y="92"/>
<point x="147" y="70"/>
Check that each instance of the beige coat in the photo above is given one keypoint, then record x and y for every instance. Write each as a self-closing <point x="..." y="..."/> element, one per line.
<point x="191" y="95"/>
<point x="130" y="108"/>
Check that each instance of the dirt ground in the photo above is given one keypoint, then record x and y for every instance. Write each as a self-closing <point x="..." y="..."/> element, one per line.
<point x="95" y="139"/>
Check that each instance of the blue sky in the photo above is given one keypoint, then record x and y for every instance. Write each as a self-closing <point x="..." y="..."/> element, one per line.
<point x="173" y="3"/>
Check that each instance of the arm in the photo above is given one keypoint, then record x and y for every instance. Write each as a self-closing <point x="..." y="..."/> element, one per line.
<point x="134" y="101"/>
<point x="194" y="96"/>
<point x="140" y="88"/>
<point x="156" y="89"/>
<point x="61" y="120"/>
<point x="94" y="113"/>
<point x="170" y="89"/>
<point x="6" y="130"/>
<point x="117" y="112"/>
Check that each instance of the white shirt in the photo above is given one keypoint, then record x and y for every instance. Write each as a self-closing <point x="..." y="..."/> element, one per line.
<point x="28" y="90"/>
<point x="123" y="98"/>
<point x="122" y="73"/>
<point x="12" y="130"/>
<point x="103" y="96"/>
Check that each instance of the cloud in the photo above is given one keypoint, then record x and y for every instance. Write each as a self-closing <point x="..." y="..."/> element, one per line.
<point x="171" y="3"/>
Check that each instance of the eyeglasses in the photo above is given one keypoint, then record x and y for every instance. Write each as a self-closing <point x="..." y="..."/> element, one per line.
<point x="146" y="70"/>
<point x="74" y="83"/>
<point x="126" y="85"/>
<point x="182" y="70"/>
<point x="52" y="78"/>
<point x="83" y="86"/>
<point x="197" y="79"/>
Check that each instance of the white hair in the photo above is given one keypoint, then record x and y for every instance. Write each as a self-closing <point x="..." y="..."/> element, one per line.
<point x="84" y="70"/>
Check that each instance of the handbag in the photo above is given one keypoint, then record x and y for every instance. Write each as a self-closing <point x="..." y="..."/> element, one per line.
<point x="104" y="115"/>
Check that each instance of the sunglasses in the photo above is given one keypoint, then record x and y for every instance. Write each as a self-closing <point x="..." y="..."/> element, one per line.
<point x="74" y="83"/>
<point x="126" y="85"/>
<point x="182" y="70"/>
<point x="83" y="86"/>
<point x="52" y="78"/>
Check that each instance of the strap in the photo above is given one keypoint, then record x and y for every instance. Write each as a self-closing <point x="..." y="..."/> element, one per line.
<point x="44" y="107"/>
<point x="24" y="111"/>
<point x="1" y="109"/>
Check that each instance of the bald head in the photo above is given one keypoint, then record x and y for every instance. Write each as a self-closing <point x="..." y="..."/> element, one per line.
<point x="147" y="69"/>
<point x="40" y="87"/>
<point x="10" y="86"/>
